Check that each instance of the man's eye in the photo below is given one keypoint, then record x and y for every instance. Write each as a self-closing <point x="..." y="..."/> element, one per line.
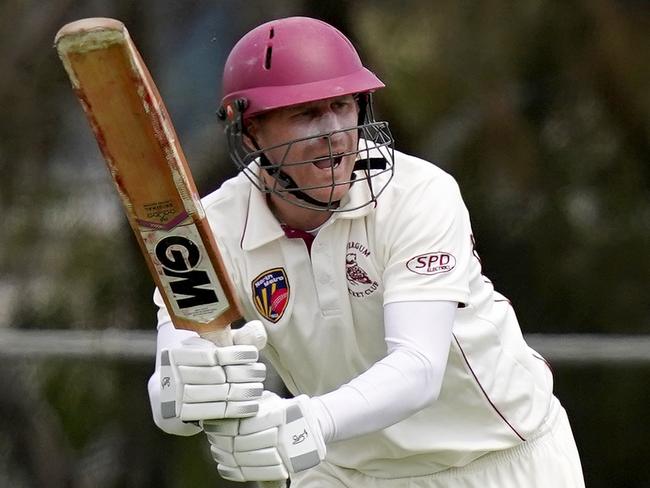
<point x="343" y="105"/>
<point x="303" y="113"/>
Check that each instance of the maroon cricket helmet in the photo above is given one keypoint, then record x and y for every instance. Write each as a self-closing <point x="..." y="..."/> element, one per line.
<point x="291" y="61"/>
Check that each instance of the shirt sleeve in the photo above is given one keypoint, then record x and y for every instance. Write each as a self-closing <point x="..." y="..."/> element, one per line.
<point x="418" y="336"/>
<point x="428" y="245"/>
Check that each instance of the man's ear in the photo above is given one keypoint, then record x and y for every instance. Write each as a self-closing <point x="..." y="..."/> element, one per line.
<point x="251" y="127"/>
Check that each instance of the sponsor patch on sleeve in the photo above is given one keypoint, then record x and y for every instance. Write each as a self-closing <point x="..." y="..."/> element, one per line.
<point x="432" y="263"/>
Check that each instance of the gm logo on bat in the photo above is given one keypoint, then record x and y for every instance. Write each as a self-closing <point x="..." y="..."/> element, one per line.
<point x="180" y="257"/>
<point x="432" y="263"/>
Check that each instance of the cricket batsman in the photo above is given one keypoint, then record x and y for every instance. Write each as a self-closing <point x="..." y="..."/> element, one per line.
<point x="407" y="368"/>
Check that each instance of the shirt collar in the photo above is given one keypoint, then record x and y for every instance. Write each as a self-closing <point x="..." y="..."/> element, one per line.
<point x="358" y="195"/>
<point x="262" y="227"/>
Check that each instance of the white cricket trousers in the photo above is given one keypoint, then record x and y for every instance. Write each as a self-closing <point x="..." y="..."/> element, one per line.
<point x="549" y="460"/>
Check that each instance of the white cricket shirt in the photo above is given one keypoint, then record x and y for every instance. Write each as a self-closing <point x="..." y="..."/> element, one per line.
<point x="324" y="315"/>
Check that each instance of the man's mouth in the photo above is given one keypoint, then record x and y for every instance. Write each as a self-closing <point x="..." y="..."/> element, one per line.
<point x="327" y="162"/>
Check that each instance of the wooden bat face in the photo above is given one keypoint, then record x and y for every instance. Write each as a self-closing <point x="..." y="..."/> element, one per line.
<point x="136" y="137"/>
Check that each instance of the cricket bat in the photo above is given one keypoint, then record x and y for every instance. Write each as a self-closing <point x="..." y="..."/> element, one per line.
<point x="138" y="141"/>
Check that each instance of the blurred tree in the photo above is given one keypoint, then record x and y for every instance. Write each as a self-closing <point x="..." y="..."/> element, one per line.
<point x="33" y="443"/>
<point x="540" y="110"/>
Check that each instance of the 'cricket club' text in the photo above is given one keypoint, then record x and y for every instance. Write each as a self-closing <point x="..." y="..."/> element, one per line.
<point x="368" y="291"/>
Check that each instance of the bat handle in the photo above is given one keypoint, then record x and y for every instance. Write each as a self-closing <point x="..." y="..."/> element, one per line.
<point x="220" y="337"/>
<point x="223" y="337"/>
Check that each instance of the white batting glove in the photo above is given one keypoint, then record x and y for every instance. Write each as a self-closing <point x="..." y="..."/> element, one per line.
<point x="284" y="437"/>
<point x="200" y="380"/>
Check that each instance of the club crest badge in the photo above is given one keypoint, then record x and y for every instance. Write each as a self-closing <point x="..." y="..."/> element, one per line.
<point x="357" y="264"/>
<point x="271" y="293"/>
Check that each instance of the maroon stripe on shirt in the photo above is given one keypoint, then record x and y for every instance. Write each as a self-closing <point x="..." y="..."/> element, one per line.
<point x="484" y="392"/>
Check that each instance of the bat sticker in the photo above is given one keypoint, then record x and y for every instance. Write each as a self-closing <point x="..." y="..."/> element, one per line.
<point x="185" y="272"/>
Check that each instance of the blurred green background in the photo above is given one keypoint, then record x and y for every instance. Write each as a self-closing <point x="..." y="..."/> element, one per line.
<point x="539" y="108"/>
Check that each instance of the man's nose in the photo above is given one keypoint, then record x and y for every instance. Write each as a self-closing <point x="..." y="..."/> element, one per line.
<point x="329" y="122"/>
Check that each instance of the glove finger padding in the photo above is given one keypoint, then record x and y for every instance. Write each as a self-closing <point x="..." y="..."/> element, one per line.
<point x="202" y="381"/>
<point x="200" y="352"/>
<point x="299" y="439"/>
<point x="195" y="351"/>
<point x="220" y="428"/>
<point x="201" y="375"/>
<point x="284" y="437"/>
<point x="245" y="373"/>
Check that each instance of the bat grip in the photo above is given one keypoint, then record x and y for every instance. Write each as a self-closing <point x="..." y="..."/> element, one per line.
<point x="223" y="337"/>
<point x="219" y="337"/>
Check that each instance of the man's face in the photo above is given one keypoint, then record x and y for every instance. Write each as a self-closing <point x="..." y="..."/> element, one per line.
<point x="307" y="120"/>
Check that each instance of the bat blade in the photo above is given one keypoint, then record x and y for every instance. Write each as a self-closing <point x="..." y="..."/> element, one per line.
<point x="136" y="137"/>
<point x="139" y="144"/>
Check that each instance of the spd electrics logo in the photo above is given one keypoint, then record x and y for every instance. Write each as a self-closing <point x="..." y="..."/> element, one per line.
<point x="432" y="263"/>
<point x="271" y="294"/>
